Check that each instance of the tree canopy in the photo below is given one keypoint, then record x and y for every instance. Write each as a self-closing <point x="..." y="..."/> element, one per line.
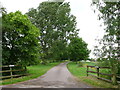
<point x="78" y="49"/>
<point x="110" y="13"/>
<point x="56" y="26"/>
<point x="20" y="42"/>
<point x="43" y="34"/>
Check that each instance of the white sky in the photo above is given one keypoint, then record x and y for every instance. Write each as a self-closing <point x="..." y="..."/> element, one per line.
<point x="86" y="19"/>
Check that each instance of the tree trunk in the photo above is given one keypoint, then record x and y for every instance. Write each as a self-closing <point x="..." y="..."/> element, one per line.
<point x="114" y="80"/>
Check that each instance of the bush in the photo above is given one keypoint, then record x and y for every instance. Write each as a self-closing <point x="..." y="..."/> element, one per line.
<point x="20" y="43"/>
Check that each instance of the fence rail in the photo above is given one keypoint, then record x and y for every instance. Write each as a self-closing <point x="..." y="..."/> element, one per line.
<point x="11" y="71"/>
<point x="99" y="73"/>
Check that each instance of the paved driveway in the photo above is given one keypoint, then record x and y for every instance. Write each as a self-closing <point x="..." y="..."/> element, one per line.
<point x="57" y="77"/>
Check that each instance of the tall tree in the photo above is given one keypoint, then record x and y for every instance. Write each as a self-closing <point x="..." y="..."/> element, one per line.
<point x="1" y="34"/>
<point x="110" y="13"/>
<point x="78" y="49"/>
<point x="20" y="44"/>
<point x="57" y="26"/>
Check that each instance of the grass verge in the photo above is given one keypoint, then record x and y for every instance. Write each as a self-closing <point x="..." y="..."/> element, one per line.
<point x="34" y="71"/>
<point x="80" y="73"/>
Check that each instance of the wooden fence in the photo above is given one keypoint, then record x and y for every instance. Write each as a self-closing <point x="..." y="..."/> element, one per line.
<point x="11" y="71"/>
<point x="99" y="73"/>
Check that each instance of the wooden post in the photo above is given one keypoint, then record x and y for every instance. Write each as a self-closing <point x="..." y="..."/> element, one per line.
<point x="97" y="72"/>
<point x="11" y="72"/>
<point x="25" y="70"/>
<point x="87" y="70"/>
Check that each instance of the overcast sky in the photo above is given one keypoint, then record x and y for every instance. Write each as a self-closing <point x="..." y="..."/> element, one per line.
<point x="86" y="19"/>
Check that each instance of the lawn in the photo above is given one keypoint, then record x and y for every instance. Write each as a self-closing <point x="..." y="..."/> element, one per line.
<point x="34" y="71"/>
<point x="80" y="73"/>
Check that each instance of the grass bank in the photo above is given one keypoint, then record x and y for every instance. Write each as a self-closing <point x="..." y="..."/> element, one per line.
<point x="80" y="73"/>
<point x="34" y="71"/>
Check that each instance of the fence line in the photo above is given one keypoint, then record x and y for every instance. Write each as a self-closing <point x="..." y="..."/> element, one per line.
<point x="11" y="71"/>
<point x="98" y="73"/>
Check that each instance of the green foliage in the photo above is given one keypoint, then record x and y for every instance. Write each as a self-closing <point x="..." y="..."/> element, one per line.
<point x="106" y="71"/>
<point x="105" y="63"/>
<point x="19" y="40"/>
<point x="111" y="40"/>
<point x="56" y="26"/>
<point x="78" y="49"/>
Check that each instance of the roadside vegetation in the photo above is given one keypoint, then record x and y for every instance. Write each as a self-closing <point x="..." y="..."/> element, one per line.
<point x="79" y="71"/>
<point x="108" y="48"/>
<point x="34" y="71"/>
<point x="40" y="36"/>
<point x="48" y="32"/>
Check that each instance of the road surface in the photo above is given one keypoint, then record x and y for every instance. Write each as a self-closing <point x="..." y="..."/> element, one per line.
<point x="57" y="77"/>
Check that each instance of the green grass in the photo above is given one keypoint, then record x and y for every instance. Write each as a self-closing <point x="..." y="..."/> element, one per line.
<point x="80" y="73"/>
<point x="34" y="71"/>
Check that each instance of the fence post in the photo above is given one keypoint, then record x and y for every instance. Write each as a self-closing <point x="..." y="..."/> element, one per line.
<point x="87" y="70"/>
<point x="97" y="72"/>
<point x="11" y="73"/>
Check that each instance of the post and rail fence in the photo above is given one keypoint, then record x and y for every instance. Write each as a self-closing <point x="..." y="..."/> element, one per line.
<point x="10" y="71"/>
<point x="99" y="73"/>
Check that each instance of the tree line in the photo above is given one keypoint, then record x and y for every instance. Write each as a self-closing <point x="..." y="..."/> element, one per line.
<point x="47" y="32"/>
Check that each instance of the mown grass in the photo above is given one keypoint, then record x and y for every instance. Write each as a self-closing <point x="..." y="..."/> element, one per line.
<point x="80" y="73"/>
<point x="34" y="71"/>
